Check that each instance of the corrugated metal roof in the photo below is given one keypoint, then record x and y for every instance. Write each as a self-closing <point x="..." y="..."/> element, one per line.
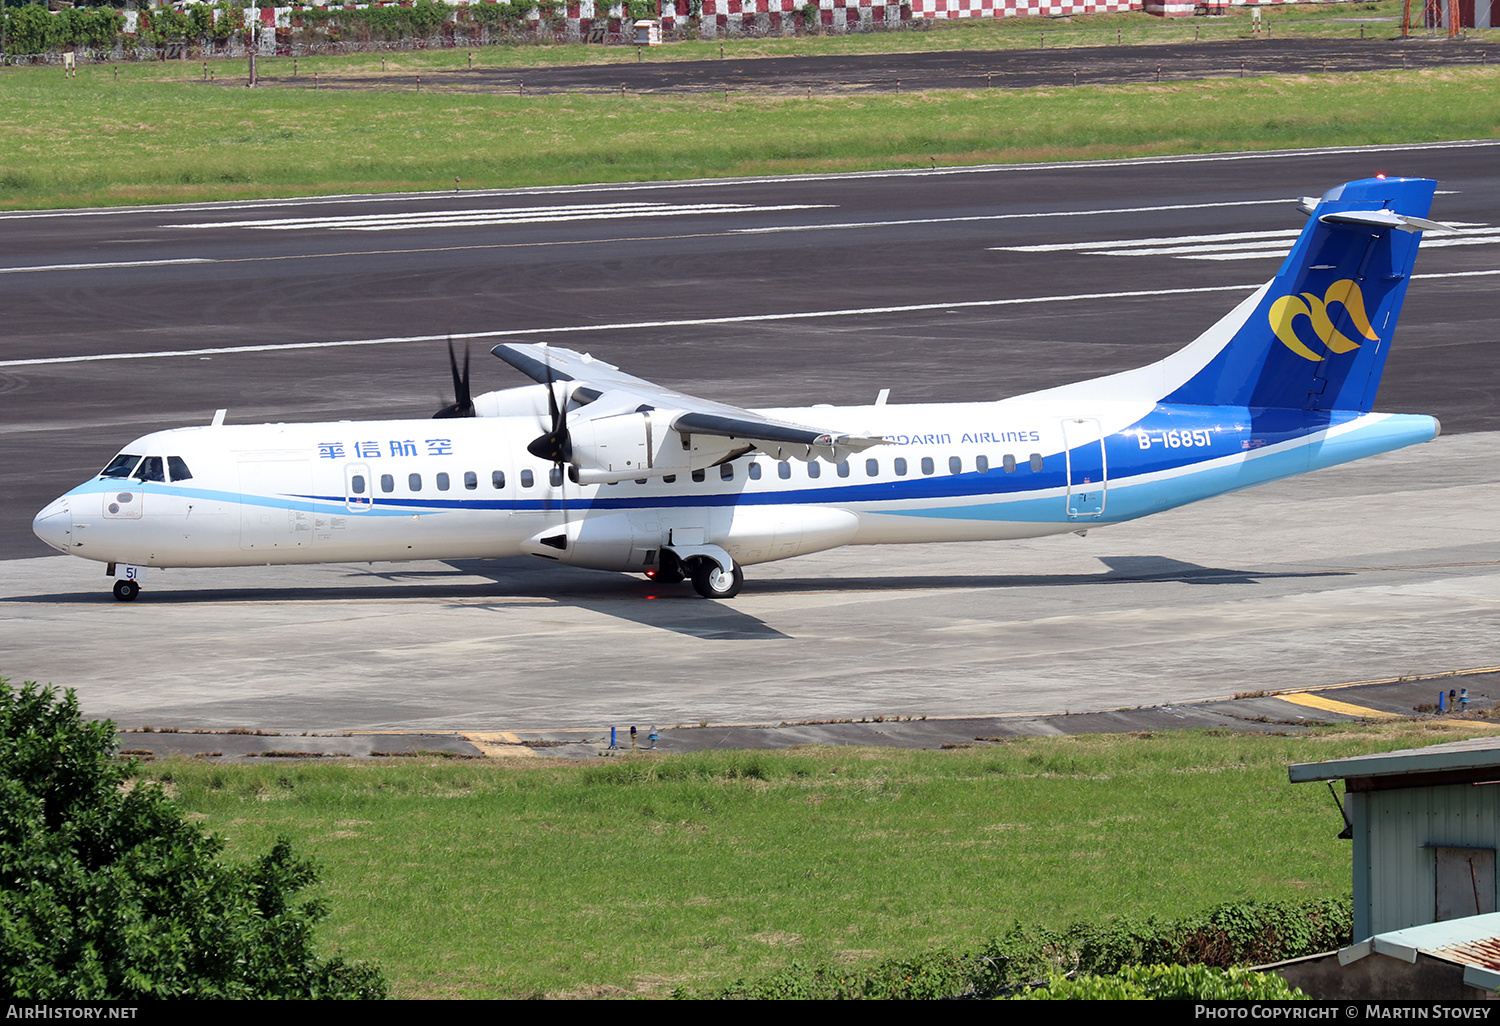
<point x="1482" y="953"/>
<point x="1474" y="753"/>
<point x="1473" y="941"/>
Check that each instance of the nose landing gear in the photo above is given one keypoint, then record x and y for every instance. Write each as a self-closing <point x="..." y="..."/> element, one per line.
<point x="126" y="591"/>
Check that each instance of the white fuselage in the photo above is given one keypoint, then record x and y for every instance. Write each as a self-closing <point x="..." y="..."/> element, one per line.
<point x="467" y="488"/>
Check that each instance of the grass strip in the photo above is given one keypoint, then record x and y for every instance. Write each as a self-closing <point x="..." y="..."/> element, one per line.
<point x="91" y="142"/>
<point x="640" y="875"/>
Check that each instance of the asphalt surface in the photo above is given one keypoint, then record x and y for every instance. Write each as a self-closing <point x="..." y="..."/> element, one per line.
<point x="963" y="69"/>
<point x="952" y="284"/>
<point x="1252" y="712"/>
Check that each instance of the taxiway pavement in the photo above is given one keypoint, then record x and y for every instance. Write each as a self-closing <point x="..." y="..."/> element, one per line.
<point x="1383" y="568"/>
<point x="951" y="284"/>
<point x="956" y="69"/>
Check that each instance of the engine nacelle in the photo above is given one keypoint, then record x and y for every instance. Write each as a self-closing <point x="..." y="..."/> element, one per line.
<point x="642" y="443"/>
<point x="525" y="401"/>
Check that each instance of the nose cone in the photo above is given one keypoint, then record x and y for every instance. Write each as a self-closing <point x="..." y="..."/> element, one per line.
<point x="54" y="525"/>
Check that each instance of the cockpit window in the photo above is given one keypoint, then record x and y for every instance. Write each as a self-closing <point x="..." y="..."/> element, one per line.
<point x="120" y="466"/>
<point x="151" y="469"/>
<point x="178" y="466"/>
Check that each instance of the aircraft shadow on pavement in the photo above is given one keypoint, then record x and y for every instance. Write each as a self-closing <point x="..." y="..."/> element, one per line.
<point x="1122" y="570"/>
<point x="522" y="584"/>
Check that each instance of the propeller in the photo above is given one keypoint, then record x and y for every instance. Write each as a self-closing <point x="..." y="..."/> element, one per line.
<point x="556" y="445"/>
<point x="463" y="400"/>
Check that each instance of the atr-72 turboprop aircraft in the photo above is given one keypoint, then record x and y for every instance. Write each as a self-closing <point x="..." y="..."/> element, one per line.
<point x="595" y="468"/>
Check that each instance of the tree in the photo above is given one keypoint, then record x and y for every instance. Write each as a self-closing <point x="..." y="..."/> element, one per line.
<point x="108" y="892"/>
<point x="29" y="30"/>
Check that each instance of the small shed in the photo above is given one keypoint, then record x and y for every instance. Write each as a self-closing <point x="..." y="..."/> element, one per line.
<point x="1425" y="824"/>
<point x="1455" y="961"/>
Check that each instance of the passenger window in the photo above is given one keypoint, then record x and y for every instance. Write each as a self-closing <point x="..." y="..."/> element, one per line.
<point x="357" y="484"/>
<point x="784" y="470"/>
<point x="669" y="479"/>
<point x="497" y="479"/>
<point x="699" y="475"/>
<point x="844" y="469"/>
<point x="956" y="464"/>
<point x="726" y="472"/>
<point x="755" y="471"/>
<point x="527" y="478"/>
<point x="900" y="466"/>
<point x="414" y="482"/>
<point x="120" y="466"/>
<point x="1036" y="461"/>
<point x="872" y="468"/>
<point x="471" y="480"/>
<point x="387" y="483"/>
<point x="814" y="469"/>
<point x="178" y="468"/>
<point x="554" y="476"/>
<point x="982" y="464"/>
<point x="442" y="482"/>
<point x="1010" y="464"/>
<point x="151" y="469"/>
<point x="927" y="465"/>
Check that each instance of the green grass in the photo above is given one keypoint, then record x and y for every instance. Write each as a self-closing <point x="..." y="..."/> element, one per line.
<point x="632" y="876"/>
<point x="91" y="141"/>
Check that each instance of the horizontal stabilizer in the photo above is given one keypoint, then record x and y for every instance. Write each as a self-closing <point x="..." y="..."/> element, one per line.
<point x="1388" y="219"/>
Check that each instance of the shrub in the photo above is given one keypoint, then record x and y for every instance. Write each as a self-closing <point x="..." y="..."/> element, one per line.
<point x="107" y="892"/>
<point x="1201" y="951"/>
<point x="1167" y="983"/>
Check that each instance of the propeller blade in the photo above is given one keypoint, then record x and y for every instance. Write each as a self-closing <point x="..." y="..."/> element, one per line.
<point x="556" y="446"/>
<point x="463" y="399"/>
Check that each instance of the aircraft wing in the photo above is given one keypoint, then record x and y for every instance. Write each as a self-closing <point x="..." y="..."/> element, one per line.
<point x="612" y="391"/>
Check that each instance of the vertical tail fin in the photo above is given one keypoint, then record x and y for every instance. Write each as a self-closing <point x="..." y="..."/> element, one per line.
<point x="1318" y="337"/>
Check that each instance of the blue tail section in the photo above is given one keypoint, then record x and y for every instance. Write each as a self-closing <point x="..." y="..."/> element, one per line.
<point x="1319" y="335"/>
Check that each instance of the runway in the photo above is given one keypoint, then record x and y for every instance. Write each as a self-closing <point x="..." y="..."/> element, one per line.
<point x="953" y="284"/>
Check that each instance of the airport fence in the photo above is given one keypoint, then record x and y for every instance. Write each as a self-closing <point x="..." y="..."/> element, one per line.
<point x="225" y="29"/>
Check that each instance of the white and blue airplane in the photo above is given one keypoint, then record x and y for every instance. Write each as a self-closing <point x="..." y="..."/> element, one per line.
<point x="592" y="467"/>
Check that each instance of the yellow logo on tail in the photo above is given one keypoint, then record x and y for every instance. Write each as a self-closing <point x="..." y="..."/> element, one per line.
<point x="1288" y="308"/>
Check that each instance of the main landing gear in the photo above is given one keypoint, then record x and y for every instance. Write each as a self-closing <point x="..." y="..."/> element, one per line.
<point x="709" y="578"/>
<point x="668" y="569"/>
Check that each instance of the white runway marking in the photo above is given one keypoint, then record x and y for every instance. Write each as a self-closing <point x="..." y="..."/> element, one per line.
<point x="499" y="215"/>
<point x="118" y="263"/>
<point x="584" y="329"/>
<point x="1233" y="245"/>
<point x="712" y="183"/>
<point x="589" y="328"/>
<point x="1010" y="217"/>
